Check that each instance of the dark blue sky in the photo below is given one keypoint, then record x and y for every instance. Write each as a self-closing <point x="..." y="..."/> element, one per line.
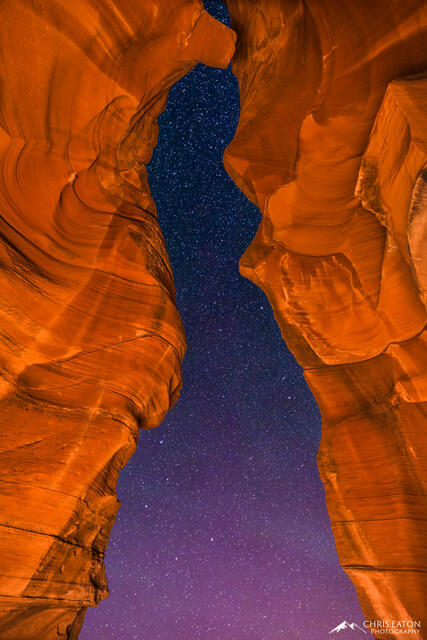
<point x="223" y="533"/>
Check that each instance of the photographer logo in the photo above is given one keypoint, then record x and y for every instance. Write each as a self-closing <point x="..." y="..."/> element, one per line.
<point x="347" y="625"/>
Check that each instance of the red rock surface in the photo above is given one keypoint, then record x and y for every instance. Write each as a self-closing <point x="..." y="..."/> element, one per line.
<point x="91" y="342"/>
<point x="340" y="256"/>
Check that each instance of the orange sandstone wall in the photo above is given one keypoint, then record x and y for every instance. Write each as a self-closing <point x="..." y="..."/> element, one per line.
<point x="90" y="339"/>
<point x="340" y="255"/>
<point x="91" y="342"/>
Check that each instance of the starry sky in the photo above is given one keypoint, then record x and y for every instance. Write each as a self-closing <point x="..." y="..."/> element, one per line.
<point x="223" y="532"/>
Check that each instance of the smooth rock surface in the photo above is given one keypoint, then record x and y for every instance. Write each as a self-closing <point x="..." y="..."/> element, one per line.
<point x="91" y="341"/>
<point x="340" y="255"/>
<point x="331" y="146"/>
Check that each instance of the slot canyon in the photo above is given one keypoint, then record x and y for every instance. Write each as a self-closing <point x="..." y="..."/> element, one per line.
<point x="331" y="147"/>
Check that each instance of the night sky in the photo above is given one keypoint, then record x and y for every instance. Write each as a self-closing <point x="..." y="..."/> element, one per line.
<point x="223" y="532"/>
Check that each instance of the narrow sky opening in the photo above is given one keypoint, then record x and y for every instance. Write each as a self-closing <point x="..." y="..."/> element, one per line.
<point x="223" y="533"/>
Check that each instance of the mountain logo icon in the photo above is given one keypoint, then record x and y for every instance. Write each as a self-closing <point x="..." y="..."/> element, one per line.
<point x="347" y="625"/>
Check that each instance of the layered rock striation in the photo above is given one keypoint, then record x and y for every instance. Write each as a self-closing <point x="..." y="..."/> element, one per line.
<point x="331" y="146"/>
<point x="91" y="341"/>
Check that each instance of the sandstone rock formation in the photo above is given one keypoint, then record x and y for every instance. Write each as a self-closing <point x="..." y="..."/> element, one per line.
<point x="339" y="253"/>
<point x="91" y="342"/>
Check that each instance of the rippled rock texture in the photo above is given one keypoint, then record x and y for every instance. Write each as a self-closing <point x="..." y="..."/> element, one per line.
<point x="91" y="341"/>
<point x="340" y="253"/>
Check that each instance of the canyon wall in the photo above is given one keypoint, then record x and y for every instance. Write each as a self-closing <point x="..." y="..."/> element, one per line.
<point x="91" y="341"/>
<point x="331" y="146"/>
